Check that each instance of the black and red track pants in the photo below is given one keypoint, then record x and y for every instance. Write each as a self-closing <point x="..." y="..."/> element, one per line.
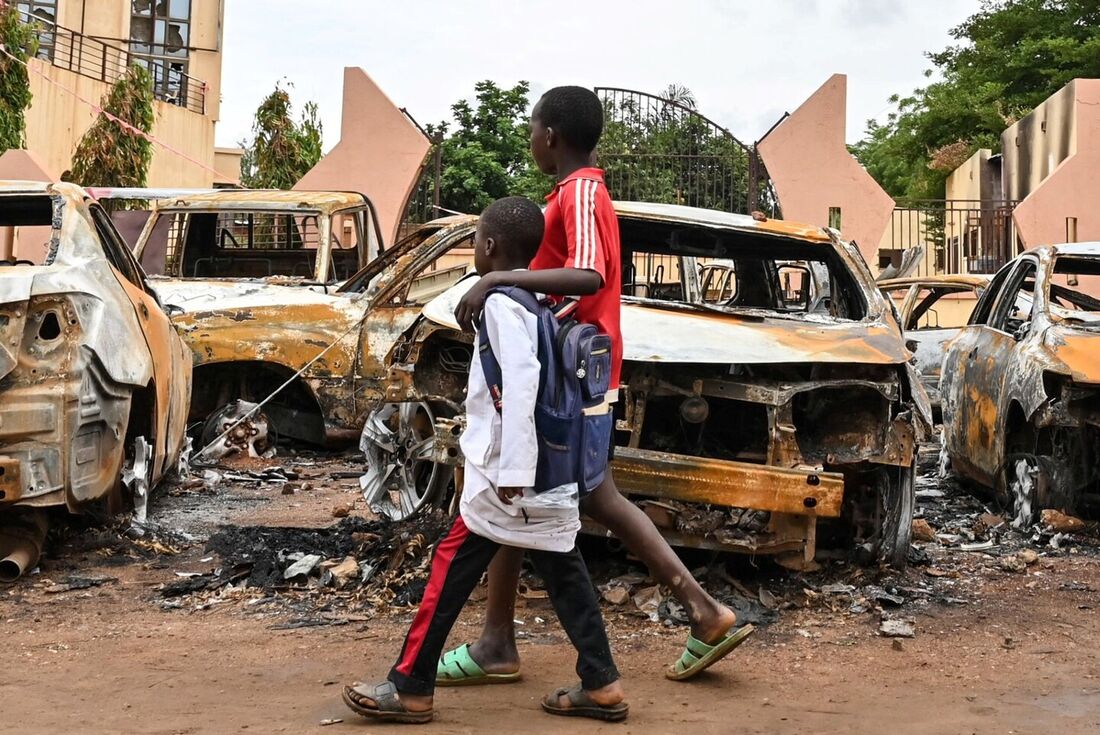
<point x="457" y="565"/>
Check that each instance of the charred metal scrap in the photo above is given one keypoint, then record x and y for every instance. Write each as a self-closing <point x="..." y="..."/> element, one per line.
<point x="768" y="405"/>
<point x="94" y="379"/>
<point x="1021" y="385"/>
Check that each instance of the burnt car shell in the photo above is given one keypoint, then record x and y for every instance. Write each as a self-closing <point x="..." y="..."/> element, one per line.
<point x="315" y="347"/>
<point x="90" y="365"/>
<point x="919" y="301"/>
<point x="741" y="424"/>
<point x="1021" y="384"/>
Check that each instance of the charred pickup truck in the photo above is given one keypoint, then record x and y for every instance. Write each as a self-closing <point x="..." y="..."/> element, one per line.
<point x="94" y="379"/>
<point x="768" y="405"/>
<point x="286" y="289"/>
<point x="1021" y="384"/>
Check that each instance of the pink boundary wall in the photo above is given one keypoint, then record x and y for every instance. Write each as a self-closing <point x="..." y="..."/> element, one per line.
<point x="28" y="242"/>
<point x="379" y="154"/>
<point x="1073" y="188"/>
<point x="812" y="170"/>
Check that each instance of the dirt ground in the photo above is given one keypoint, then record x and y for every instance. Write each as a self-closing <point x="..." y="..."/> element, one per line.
<point x="996" y="649"/>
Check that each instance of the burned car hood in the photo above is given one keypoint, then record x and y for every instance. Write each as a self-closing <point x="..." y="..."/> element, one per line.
<point x="662" y="334"/>
<point x="199" y="296"/>
<point x="1078" y="350"/>
<point x="680" y="333"/>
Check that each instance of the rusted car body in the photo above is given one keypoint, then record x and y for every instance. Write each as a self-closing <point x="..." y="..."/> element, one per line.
<point x="932" y="310"/>
<point x="258" y="283"/>
<point x="1021" y="384"/>
<point x="94" y="379"/>
<point x="750" y="410"/>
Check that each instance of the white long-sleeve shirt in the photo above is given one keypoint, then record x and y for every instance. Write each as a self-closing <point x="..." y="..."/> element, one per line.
<point x="501" y="448"/>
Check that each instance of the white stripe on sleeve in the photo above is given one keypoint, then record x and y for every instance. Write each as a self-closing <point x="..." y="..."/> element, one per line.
<point x="592" y="226"/>
<point x="578" y="223"/>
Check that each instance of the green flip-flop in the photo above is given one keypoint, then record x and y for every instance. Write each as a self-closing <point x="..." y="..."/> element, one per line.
<point x="699" y="656"/>
<point x="458" y="669"/>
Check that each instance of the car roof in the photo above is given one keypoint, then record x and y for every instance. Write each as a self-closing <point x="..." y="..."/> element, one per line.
<point x="42" y="187"/>
<point x="251" y="199"/>
<point x="1087" y="249"/>
<point x="728" y="220"/>
<point x="949" y="279"/>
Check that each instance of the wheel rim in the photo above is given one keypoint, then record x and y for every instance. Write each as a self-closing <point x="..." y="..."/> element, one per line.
<point x="1023" y="478"/>
<point x="136" y="476"/>
<point x="399" y="442"/>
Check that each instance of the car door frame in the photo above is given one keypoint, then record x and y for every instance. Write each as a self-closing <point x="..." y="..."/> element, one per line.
<point x="160" y="339"/>
<point x="976" y="365"/>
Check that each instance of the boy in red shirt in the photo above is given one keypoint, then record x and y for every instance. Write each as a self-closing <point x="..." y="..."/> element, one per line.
<point x="580" y="256"/>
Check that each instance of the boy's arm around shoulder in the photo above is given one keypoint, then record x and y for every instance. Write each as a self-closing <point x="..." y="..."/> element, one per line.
<point x="516" y="349"/>
<point x="559" y="281"/>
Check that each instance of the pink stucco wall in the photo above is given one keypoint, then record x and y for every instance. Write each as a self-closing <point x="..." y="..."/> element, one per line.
<point x="1073" y="188"/>
<point x="379" y="154"/>
<point x="28" y="243"/>
<point x="812" y="170"/>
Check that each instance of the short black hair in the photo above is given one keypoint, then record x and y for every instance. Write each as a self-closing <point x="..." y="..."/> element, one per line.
<point x="575" y="113"/>
<point x="516" y="224"/>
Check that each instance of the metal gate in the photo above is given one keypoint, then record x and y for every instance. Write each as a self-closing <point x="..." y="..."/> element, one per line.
<point x="656" y="149"/>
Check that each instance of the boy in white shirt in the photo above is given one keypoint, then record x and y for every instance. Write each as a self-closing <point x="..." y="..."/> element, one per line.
<point x="499" y="508"/>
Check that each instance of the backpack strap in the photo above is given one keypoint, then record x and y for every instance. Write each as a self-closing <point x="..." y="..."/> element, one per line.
<point x="490" y="365"/>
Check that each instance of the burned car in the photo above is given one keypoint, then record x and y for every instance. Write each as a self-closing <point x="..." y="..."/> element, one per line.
<point x="258" y="282"/>
<point x="1021" y="384"/>
<point x="94" y="379"/>
<point x="932" y="310"/>
<point x="767" y="403"/>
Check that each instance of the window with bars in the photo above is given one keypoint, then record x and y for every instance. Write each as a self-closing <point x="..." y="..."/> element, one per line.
<point x="46" y="12"/>
<point x="160" y="33"/>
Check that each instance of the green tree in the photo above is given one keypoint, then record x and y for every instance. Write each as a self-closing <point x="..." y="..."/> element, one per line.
<point x="1010" y="56"/>
<point x="281" y="150"/>
<point x="21" y="42"/>
<point x="109" y="154"/>
<point x="487" y="154"/>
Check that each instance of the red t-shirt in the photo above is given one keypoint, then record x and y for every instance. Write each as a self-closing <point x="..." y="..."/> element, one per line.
<point x="582" y="231"/>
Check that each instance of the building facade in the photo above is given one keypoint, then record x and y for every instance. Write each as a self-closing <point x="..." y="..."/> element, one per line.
<point x="86" y="45"/>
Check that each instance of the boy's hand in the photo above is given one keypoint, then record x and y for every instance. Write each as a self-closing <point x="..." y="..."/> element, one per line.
<point x="507" y="493"/>
<point x="468" y="311"/>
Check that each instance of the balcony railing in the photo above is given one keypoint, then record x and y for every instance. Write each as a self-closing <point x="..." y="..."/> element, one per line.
<point x="93" y="58"/>
<point x="958" y="236"/>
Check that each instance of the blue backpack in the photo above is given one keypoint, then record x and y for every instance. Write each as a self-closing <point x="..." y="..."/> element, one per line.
<point x="574" y="374"/>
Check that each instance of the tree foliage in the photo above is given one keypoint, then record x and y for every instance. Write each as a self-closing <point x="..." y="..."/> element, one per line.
<point x="281" y="150"/>
<point x="1010" y="56"/>
<point x="487" y="156"/>
<point x="21" y="42"/>
<point x="668" y="155"/>
<point x="108" y="154"/>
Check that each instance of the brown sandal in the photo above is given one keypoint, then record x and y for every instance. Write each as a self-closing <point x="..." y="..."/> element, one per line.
<point x="387" y="706"/>
<point x="582" y="705"/>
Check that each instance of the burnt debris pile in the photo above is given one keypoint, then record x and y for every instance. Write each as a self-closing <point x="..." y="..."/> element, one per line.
<point x="376" y="561"/>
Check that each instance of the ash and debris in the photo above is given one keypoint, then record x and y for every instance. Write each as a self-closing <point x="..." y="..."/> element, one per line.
<point x="376" y="561"/>
<point x="360" y="566"/>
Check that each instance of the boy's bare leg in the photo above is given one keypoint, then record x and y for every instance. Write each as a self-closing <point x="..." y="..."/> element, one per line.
<point x="495" y="651"/>
<point x="710" y="619"/>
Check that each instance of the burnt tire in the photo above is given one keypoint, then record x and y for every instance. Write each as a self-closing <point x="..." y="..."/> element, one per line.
<point x="898" y="503"/>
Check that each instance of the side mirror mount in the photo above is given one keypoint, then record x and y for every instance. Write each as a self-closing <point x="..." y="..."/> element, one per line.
<point x="1021" y="332"/>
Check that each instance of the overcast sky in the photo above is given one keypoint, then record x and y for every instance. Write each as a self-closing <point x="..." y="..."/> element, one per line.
<point x="746" y="62"/>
